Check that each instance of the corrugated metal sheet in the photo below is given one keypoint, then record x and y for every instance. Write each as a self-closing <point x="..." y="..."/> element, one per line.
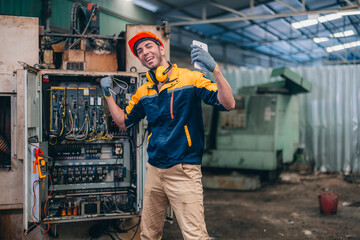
<point x="329" y="115"/>
<point x="28" y="8"/>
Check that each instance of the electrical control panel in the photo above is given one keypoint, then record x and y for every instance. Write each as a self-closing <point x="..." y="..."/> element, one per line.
<point x="92" y="169"/>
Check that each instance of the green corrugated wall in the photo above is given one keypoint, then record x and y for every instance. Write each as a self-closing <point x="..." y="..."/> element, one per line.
<point x="27" y="8"/>
<point x="114" y="14"/>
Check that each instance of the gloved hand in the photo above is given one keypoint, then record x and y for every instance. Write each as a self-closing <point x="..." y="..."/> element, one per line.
<point x="202" y="57"/>
<point x="106" y="84"/>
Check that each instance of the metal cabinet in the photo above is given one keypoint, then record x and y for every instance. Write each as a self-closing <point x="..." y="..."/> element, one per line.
<point x="92" y="170"/>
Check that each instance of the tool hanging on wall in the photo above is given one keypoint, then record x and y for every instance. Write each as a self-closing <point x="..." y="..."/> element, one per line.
<point x="40" y="163"/>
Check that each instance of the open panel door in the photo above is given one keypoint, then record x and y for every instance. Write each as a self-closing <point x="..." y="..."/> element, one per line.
<point x="31" y="140"/>
<point x="19" y="43"/>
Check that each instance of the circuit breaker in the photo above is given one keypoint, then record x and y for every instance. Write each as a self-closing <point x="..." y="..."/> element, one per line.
<point x="92" y="169"/>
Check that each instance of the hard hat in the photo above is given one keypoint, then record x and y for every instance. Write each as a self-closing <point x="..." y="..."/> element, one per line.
<point x="146" y="35"/>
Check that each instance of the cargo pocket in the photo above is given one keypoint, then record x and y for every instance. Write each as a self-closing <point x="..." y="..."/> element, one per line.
<point x="187" y="135"/>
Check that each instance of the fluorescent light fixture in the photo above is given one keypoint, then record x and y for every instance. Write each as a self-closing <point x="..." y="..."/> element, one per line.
<point x="320" y="39"/>
<point x="329" y="17"/>
<point x="322" y="19"/>
<point x="304" y="23"/>
<point x="347" y="33"/>
<point x="343" y="46"/>
<point x="349" y="13"/>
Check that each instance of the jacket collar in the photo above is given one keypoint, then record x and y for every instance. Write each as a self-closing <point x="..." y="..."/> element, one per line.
<point x="173" y="79"/>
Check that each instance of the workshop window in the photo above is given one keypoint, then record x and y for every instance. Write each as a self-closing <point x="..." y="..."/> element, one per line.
<point x="5" y="133"/>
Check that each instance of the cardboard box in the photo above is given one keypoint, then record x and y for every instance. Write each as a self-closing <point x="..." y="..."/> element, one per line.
<point x="71" y="55"/>
<point x="106" y="61"/>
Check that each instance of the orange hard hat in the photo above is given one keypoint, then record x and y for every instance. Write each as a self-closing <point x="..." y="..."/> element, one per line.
<point x="146" y="35"/>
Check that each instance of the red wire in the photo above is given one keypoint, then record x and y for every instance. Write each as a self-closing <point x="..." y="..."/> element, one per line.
<point x="33" y="145"/>
<point x="47" y="202"/>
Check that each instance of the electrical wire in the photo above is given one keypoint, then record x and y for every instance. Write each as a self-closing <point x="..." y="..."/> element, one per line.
<point x="117" y="81"/>
<point x="34" y="206"/>
<point x="117" y="236"/>
<point x="34" y="209"/>
<point x="143" y="138"/>
<point x="138" y="224"/>
<point x="32" y="144"/>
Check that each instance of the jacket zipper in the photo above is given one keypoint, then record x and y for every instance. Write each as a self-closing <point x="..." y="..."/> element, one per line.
<point x="171" y="105"/>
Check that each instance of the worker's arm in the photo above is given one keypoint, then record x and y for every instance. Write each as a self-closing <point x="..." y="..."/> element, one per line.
<point x="117" y="113"/>
<point x="225" y="95"/>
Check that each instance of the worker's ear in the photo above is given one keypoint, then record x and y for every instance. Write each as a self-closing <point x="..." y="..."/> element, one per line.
<point x="162" y="50"/>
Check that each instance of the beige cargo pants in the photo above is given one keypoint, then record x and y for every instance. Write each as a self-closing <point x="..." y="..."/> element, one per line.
<point x="181" y="187"/>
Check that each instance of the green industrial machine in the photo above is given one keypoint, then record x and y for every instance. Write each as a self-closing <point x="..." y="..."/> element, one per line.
<point x="262" y="132"/>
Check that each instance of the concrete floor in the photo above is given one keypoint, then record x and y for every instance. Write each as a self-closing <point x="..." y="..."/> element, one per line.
<point x="288" y="209"/>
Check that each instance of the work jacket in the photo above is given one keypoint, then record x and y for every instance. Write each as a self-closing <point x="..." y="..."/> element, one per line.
<point x="175" y="123"/>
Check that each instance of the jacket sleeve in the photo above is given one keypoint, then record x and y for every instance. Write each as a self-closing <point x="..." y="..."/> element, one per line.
<point x="207" y="91"/>
<point x="134" y="111"/>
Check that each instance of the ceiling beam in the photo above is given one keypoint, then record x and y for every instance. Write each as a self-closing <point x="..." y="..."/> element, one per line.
<point x="277" y="15"/>
<point x="303" y="5"/>
<point x="192" y="15"/>
<point x="287" y="5"/>
<point x="252" y="7"/>
<point x="244" y="15"/>
<point x="349" y="2"/>
<point x="272" y="19"/>
<point x="178" y="42"/>
<point x="204" y="10"/>
<point x="304" y="38"/>
<point x="228" y="9"/>
<point x="185" y="18"/>
<point x="218" y="25"/>
<point x="263" y="28"/>
<point x="180" y="8"/>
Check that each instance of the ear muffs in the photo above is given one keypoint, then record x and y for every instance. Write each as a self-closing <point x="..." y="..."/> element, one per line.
<point x="159" y="76"/>
<point x="161" y="73"/>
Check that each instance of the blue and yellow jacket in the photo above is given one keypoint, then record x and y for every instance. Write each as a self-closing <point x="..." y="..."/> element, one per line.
<point x="176" y="131"/>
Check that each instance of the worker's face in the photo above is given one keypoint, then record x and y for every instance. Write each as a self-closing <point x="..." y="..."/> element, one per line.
<point x="150" y="54"/>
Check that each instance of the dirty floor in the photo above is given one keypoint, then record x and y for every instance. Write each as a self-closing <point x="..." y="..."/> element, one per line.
<point x="287" y="209"/>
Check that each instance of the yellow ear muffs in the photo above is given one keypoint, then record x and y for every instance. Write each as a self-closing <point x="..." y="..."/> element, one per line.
<point x="161" y="74"/>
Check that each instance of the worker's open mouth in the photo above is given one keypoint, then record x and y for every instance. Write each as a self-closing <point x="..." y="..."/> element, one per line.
<point x="148" y="59"/>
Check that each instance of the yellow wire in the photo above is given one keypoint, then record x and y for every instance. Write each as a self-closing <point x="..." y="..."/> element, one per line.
<point x="53" y="143"/>
<point x="62" y="128"/>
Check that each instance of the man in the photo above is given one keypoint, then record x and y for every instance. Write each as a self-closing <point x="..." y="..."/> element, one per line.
<point x="171" y="101"/>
